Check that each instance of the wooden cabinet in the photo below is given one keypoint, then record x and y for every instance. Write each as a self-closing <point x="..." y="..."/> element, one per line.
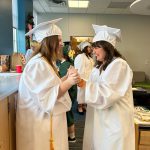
<point x="12" y="120"/>
<point x="7" y="123"/>
<point x="142" y="137"/>
<point x="4" y="129"/>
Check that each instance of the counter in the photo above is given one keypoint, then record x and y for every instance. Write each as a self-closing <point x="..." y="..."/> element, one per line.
<point x="9" y="83"/>
<point x="8" y="96"/>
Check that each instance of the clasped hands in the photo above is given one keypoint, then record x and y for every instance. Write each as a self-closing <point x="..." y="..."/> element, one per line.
<point x="75" y="77"/>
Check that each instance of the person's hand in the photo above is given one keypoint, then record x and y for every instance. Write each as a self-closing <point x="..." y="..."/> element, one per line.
<point x="72" y="70"/>
<point x="81" y="83"/>
<point x="73" y="78"/>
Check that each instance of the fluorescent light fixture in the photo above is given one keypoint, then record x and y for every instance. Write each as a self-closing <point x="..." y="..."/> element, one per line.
<point x="137" y="1"/>
<point x="78" y="4"/>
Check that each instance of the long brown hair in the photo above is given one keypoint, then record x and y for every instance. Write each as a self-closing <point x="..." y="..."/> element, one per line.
<point x="49" y="49"/>
<point x="85" y="50"/>
<point x="111" y="53"/>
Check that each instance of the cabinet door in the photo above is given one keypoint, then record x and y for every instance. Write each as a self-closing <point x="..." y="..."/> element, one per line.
<point x="144" y="147"/>
<point x="136" y="136"/>
<point x="12" y="121"/>
<point x="4" y="129"/>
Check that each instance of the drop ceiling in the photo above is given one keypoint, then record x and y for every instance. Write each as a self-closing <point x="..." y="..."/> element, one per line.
<point x="95" y="7"/>
<point x="141" y="7"/>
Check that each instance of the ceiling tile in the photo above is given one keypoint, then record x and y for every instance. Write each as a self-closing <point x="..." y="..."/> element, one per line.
<point x="59" y="9"/>
<point x="77" y="10"/>
<point x="95" y="7"/>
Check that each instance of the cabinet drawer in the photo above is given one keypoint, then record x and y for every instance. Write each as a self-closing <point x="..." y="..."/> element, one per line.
<point x="144" y="147"/>
<point x="145" y="138"/>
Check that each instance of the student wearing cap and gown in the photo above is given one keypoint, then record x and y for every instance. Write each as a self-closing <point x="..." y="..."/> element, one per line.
<point x="43" y="99"/>
<point x="63" y="67"/>
<point x="84" y="63"/>
<point x="110" y="112"/>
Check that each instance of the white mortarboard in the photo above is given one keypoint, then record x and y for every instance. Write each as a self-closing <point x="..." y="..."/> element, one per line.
<point x="45" y="29"/>
<point x="106" y="33"/>
<point x="82" y="45"/>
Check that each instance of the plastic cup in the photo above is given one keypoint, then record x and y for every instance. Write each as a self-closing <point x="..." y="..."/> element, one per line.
<point x="18" y="68"/>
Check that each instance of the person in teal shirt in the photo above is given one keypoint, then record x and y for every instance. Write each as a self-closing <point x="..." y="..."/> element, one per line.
<point x="64" y="65"/>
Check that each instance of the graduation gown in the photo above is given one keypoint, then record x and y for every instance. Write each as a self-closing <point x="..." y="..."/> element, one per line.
<point x="63" y="68"/>
<point x="37" y="97"/>
<point x="84" y="66"/>
<point x="109" y="120"/>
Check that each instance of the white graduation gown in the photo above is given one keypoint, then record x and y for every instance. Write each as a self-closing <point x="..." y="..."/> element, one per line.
<point x="109" y="120"/>
<point x="28" y="54"/>
<point x="84" y="66"/>
<point x="37" y="97"/>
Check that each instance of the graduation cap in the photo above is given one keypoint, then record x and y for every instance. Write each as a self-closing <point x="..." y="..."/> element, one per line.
<point x="106" y="33"/>
<point x="82" y="45"/>
<point x="45" y="29"/>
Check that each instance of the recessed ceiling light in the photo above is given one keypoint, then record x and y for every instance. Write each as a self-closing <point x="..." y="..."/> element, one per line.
<point x="78" y="4"/>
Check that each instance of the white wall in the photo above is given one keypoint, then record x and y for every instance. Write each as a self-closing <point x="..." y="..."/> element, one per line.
<point x="35" y="14"/>
<point x="135" y="33"/>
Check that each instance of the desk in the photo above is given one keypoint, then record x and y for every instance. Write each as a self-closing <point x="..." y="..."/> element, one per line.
<point x="142" y="135"/>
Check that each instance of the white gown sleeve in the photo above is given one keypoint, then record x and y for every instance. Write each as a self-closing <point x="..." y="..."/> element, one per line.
<point x="111" y="86"/>
<point x="79" y="64"/>
<point x="42" y="85"/>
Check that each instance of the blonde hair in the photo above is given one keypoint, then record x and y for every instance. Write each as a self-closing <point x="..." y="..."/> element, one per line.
<point x="34" y="45"/>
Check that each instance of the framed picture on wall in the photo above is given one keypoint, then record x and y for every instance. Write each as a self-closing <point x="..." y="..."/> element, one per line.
<point x="83" y="38"/>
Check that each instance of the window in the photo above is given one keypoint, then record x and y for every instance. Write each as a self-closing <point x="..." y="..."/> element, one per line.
<point x="15" y="49"/>
<point x="15" y="24"/>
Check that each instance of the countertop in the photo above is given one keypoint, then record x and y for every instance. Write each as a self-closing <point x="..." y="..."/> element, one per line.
<point x="9" y="83"/>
